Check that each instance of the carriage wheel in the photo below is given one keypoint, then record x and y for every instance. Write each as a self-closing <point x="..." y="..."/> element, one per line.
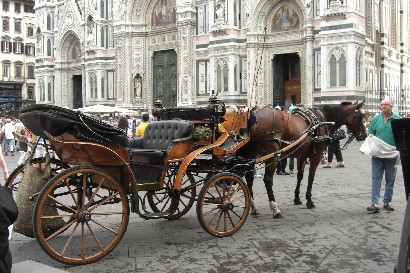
<point x="223" y="205"/>
<point x="16" y="176"/>
<point x="160" y="200"/>
<point x="90" y="215"/>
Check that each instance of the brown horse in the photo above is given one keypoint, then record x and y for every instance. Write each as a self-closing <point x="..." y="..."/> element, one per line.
<point x="276" y="129"/>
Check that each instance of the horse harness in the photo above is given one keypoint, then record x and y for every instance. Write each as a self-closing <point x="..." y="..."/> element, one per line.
<point x="312" y="116"/>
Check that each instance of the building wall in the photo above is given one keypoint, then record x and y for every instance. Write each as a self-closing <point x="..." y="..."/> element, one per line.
<point x="17" y="82"/>
<point x="348" y="50"/>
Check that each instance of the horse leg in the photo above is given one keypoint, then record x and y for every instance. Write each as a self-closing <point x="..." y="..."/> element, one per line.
<point x="301" y="169"/>
<point x="268" y="180"/>
<point x="314" y="162"/>
<point x="249" y="181"/>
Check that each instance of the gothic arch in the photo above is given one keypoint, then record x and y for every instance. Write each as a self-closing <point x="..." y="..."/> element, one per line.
<point x="333" y="78"/>
<point x="265" y="10"/>
<point x="137" y="13"/>
<point x="68" y="42"/>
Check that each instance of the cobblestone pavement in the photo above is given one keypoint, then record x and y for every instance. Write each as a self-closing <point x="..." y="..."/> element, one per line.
<point x="339" y="235"/>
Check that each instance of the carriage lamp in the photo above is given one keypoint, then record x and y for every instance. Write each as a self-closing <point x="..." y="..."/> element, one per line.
<point x="157" y="106"/>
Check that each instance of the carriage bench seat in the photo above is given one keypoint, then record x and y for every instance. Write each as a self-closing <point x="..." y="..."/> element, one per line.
<point x="159" y="136"/>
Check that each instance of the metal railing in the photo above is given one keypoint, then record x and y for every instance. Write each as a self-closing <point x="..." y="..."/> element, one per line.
<point x="399" y="97"/>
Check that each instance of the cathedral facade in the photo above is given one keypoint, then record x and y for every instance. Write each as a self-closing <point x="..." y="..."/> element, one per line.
<point x="130" y="53"/>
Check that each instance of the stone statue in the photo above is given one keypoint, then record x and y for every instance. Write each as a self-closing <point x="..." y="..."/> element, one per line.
<point x="220" y="10"/>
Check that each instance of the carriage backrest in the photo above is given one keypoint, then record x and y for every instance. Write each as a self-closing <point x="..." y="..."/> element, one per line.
<point x="160" y="134"/>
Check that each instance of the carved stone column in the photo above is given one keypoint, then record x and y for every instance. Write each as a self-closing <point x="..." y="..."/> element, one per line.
<point x="186" y="30"/>
<point x="309" y="80"/>
<point x="252" y="67"/>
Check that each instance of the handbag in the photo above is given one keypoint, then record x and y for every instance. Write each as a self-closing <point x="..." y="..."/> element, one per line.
<point x="339" y="134"/>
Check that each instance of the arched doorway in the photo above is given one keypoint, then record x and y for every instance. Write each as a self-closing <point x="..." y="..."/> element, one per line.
<point x="286" y="79"/>
<point x="70" y="72"/>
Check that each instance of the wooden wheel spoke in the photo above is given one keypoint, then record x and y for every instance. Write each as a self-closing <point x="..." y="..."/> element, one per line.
<point x="95" y="237"/>
<point x="217" y="190"/>
<point x="61" y="203"/>
<point x="69" y="239"/>
<point x="92" y="215"/>
<point x="219" y="219"/>
<point x="107" y="213"/>
<point x="165" y="204"/>
<point x="82" y="241"/>
<point x="55" y="216"/>
<point x="104" y="226"/>
<point x="103" y="201"/>
<point x="230" y="218"/>
<point x="215" y="216"/>
<point x="65" y="227"/>
<point x="84" y="187"/>
<point x="238" y="198"/>
<point x="182" y="202"/>
<point x="95" y="192"/>
<point x="234" y="212"/>
<point x="71" y="192"/>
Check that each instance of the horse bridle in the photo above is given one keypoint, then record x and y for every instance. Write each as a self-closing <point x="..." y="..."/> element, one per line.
<point x="355" y="134"/>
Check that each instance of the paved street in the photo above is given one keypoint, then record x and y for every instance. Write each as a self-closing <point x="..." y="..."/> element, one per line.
<point x="339" y="235"/>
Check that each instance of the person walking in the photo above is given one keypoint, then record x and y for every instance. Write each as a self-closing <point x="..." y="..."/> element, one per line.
<point x="334" y="149"/>
<point x="380" y="127"/>
<point x="9" y="128"/>
<point x="141" y="128"/>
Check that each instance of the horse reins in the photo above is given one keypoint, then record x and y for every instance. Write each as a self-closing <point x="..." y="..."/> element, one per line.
<point x="351" y="135"/>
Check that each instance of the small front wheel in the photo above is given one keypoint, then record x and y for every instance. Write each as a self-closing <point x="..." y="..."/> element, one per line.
<point x="223" y="205"/>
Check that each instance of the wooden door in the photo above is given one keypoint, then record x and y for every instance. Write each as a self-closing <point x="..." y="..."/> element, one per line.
<point x="291" y="80"/>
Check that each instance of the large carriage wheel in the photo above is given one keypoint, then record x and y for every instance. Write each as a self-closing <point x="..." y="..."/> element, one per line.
<point x="16" y="176"/>
<point x="223" y="205"/>
<point x="160" y="200"/>
<point x="92" y="217"/>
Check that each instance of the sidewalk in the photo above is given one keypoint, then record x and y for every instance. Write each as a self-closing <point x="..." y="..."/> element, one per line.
<point x="339" y="235"/>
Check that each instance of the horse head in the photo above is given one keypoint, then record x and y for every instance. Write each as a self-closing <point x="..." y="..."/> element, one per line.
<point x="353" y="118"/>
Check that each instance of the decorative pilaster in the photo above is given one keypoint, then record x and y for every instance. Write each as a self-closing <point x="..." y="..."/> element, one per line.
<point x="186" y="30"/>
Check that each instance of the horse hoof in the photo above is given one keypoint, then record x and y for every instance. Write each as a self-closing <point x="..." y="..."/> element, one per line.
<point x="310" y="205"/>
<point x="255" y="212"/>
<point x="297" y="202"/>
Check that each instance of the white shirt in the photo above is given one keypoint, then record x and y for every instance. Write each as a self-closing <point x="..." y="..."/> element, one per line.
<point x="9" y="128"/>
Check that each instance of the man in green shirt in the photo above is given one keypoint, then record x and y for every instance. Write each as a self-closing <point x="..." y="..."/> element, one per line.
<point x="380" y="126"/>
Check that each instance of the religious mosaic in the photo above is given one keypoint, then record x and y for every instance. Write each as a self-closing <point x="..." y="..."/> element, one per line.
<point x="164" y="14"/>
<point x="285" y="19"/>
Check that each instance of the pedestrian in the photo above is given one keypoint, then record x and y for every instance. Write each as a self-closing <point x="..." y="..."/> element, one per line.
<point x="134" y="126"/>
<point x="123" y="123"/>
<point x="8" y="215"/>
<point x="380" y="127"/>
<point x="141" y="128"/>
<point x="3" y="166"/>
<point x="129" y="127"/>
<point x="9" y="128"/>
<point x="281" y="167"/>
<point x="24" y="145"/>
<point x="334" y="149"/>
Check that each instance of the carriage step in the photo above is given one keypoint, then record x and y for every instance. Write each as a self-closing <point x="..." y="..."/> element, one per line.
<point x="156" y="215"/>
<point x="135" y="207"/>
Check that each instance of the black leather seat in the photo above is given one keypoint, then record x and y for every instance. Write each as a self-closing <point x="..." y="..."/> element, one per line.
<point x="158" y="137"/>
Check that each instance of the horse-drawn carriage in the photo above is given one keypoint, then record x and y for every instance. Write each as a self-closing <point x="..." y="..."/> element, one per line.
<point x="82" y="212"/>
